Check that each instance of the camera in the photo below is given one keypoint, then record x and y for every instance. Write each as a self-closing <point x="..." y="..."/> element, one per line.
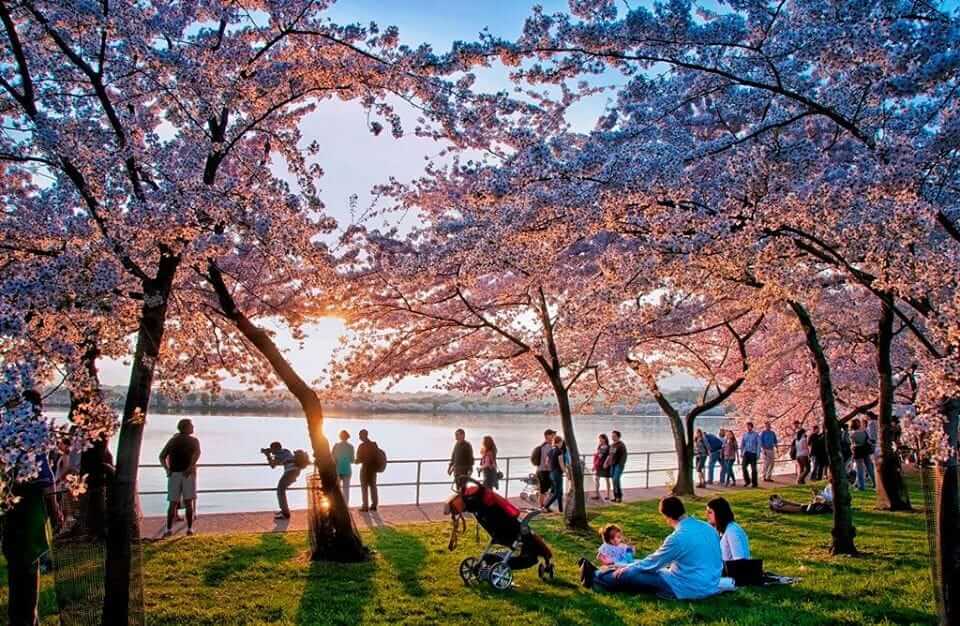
<point x="265" y="450"/>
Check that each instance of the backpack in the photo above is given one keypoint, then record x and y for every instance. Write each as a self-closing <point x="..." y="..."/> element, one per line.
<point x="537" y="455"/>
<point x="381" y="457"/>
<point x="301" y="459"/>
<point x="793" y="450"/>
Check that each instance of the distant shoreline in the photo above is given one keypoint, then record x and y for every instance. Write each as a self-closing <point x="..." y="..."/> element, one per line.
<point x="350" y="412"/>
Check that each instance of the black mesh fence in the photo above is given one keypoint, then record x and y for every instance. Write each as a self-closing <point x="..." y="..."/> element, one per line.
<point x="77" y="560"/>
<point x="319" y="524"/>
<point x="941" y="493"/>
<point x="333" y="535"/>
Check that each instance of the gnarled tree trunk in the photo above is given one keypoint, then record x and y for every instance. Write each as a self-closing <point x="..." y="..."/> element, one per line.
<point x="343" y="543"/>
<point x="843" y="528"/>
<point x="892" y="491"/>
<point x="123" y="523"/>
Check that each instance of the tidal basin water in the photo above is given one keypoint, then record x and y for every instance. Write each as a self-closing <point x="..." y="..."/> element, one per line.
<point x="404" y="436"/>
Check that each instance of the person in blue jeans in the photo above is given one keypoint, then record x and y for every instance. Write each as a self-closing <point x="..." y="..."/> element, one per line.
<point x="557" y="466"/>
<point x="687" y="566"/>
<point x="618" y="461"/>
<point x="715" y="445"/>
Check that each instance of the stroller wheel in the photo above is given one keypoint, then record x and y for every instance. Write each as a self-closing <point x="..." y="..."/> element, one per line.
<point x="501" y="576"/>
<point x="545" y="571"/>
<point x="468" y="570"/>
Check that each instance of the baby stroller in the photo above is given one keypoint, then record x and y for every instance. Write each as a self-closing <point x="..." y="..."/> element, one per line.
<point x="507" y="526"/>
<point x="531" y="488"/>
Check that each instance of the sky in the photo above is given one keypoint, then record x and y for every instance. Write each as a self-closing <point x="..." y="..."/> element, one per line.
<point x="354" y="160"/>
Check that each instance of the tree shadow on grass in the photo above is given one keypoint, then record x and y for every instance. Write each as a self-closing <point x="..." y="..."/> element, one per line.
<point x="583" y="602"/>
<point x="406" y="553"/>
<point x="336" y="593"/>
<point x="273" y="548"/>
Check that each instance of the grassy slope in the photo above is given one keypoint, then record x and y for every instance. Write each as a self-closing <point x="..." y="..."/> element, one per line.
<point x="265" y="579"/>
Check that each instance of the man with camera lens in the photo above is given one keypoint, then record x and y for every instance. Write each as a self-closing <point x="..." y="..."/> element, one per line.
<point x="278" y="455"/>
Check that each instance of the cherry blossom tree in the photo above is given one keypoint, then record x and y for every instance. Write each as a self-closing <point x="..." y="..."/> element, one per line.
<point x="698" y="338"/>
<point x="150" y="129"/>
<point x="454" y="297"/>
<point x="817" y="83"/>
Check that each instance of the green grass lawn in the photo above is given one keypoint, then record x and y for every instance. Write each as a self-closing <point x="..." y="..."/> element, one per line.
<point x="267" y="579"/>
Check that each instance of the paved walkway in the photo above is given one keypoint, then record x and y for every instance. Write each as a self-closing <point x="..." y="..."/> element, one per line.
<point x="386" y="515"/>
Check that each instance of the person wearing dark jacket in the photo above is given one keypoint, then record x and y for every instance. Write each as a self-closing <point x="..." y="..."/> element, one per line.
<point x="618" y="461"/>
<point x="461" y="459"/>
<point x="368" y="456"/>
<point x="818" y="453"/>
<point x="24" y="540"/>
<point x="715" y="446"/>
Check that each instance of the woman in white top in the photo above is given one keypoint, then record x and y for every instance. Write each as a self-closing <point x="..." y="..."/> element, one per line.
<point x="734" y="544"/>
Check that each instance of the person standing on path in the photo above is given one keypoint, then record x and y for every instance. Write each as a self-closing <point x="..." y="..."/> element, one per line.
<point x="540" y="458"/>
<point x="873" y="430"/>
<point x="557" y="469"/>
<point x="801" y="446"/>
<point x="461" y="458"/>
<point x="863" y="455"/>
<point x="730" y="453"/>
<point x="488" y="463"/>
<point x="818" y="453"/>
<point x="715" y="445"/>
<point x="368" y="456"/>
<point x="750" y="452"/>
<point x="179" y="457"/>
<point x="768" y="445"/>
<point x="343" y="456"/>
<point x="600" y="467"/>
<point x="700" y="453"/>
<point x="618" y="461"/>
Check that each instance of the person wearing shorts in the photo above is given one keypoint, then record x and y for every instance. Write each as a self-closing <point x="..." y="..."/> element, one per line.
<point x="180" y="457"/>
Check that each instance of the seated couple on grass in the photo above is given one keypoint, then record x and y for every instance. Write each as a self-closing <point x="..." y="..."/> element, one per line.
<point x="689" y="565"/>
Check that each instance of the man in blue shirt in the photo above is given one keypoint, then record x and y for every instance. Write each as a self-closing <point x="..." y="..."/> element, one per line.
<point x="715" y="445"/>
<point x="687" y="566"/>
<point x="768" y="447"/>
<point x="750" y="452"/>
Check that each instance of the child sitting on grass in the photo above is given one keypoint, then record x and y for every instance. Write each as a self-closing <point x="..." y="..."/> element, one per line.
<point x="614" y="550"/>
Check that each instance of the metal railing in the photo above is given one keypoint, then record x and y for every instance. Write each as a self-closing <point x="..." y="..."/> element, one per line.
<point x="508" y="461"/>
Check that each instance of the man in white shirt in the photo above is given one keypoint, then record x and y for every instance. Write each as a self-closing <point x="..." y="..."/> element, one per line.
<point x="687" y="566"/>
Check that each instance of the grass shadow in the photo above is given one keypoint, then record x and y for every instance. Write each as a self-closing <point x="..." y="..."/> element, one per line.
<point x="406" y="553"/>
<point x="563" y="609"/>
<point x="273" y="548"/>
<point x="336" y="593"/>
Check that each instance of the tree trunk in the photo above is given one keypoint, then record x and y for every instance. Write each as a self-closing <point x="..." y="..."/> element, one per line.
<point x="843" y="528"/>
<point x="575" y="511"/>
<point x="892" y="491"/>
<point x="945" y="557"/>
<point x="123" y="517"/>
<point x="683" y="445"/>
<point x="343" y="542"/>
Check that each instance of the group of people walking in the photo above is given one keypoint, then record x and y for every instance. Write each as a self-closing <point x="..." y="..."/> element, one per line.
<point x="551" y="459"/>
<point x="723" y="449"/>
<point x="808" y="451"/>
<point x="858" y="446"/>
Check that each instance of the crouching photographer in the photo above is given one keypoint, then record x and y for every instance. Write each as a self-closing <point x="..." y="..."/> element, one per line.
<point x="292" y="463"/>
